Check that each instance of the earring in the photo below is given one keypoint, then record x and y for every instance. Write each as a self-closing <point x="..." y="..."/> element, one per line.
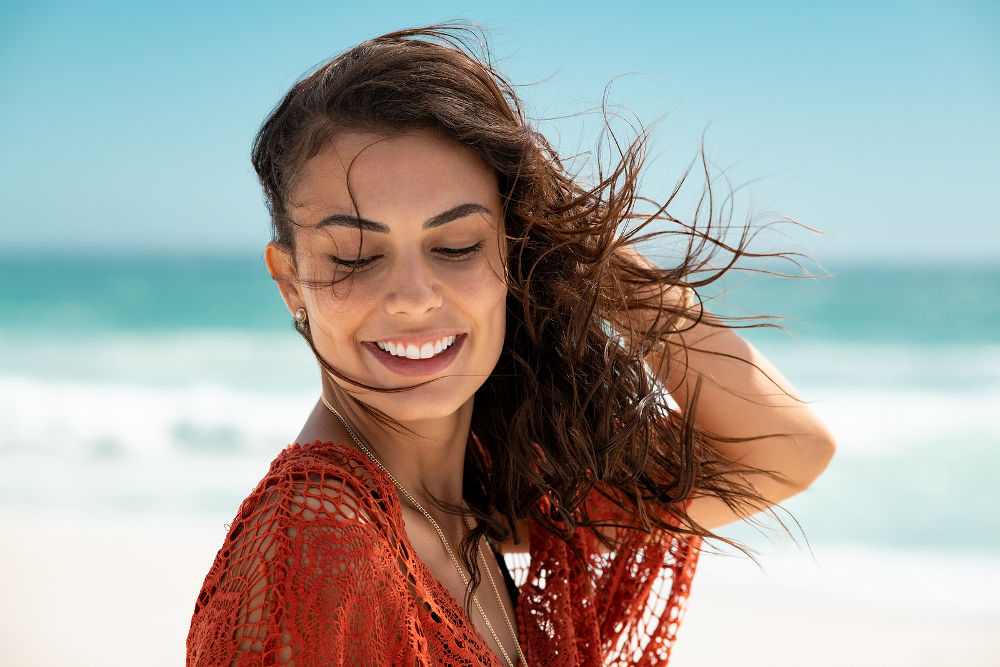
<point x="300" y="316"/>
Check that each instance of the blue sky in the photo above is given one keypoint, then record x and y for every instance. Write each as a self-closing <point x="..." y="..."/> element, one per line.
<point x="126" y="127"/>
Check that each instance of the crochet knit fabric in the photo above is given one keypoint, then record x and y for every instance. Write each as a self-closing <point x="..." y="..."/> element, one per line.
<point x="317" y="569"/>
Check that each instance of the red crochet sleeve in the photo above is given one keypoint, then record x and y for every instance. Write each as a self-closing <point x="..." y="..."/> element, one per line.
<point x="282" y="592"/>
<point x="642" y="589"/>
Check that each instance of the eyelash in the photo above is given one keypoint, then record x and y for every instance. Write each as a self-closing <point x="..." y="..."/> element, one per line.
<point x="364" y="262"/>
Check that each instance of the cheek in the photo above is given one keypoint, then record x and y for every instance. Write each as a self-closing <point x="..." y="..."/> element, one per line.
<point x="489" y="294"/>
<point x="338" y="312"/>
<point x="341" y="298"/>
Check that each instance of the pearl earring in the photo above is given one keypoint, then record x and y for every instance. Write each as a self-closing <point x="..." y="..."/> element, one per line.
<point x="300" y="316"/>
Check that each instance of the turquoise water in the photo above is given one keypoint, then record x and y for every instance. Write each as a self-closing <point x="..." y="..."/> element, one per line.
<point x="166" y="385"/>
<point x="856" y="303"/>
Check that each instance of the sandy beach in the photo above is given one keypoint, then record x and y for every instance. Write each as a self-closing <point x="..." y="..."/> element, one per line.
<point x="723" y="630"/>
<point x="121" y="593"/>
<point x="824" y="171"/>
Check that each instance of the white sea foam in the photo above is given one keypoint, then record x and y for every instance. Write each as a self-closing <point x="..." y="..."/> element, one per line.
<point x="80" y="420"/>
<point x="268" y="362"/>
<point x="187" y="423"/>
<point x="829" y="366"/>
<point x="78" y="417"/>
<point x="127" y="448"/>
<point x="876" y="422"/>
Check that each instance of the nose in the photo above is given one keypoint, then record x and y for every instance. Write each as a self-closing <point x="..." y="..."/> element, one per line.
<point x="412" y="289"/>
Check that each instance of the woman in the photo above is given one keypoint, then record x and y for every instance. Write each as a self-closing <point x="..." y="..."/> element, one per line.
<point x="494" y="356"/>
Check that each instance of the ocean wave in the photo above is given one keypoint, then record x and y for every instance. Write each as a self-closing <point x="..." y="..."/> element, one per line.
<point x="187" y="423"/>
<point x="95" y="421"/>
<point x="267" y="362"/>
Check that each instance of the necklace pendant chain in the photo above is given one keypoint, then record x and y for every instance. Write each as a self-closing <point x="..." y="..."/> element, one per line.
<point x="447" y="546"/>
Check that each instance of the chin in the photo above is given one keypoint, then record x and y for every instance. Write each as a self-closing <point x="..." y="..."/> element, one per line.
<point x="427" y="402"/>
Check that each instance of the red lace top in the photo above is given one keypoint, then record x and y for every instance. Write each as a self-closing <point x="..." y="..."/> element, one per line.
<point x="318" y="570"/>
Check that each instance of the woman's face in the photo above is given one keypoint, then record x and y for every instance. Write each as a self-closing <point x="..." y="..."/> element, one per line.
<point x="427" y="278"/>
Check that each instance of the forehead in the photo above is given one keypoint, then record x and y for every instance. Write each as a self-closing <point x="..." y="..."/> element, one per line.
<point x="420" y="170"/>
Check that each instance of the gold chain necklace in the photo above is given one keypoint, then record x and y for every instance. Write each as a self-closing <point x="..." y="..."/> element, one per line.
<point x="447" y="546"/>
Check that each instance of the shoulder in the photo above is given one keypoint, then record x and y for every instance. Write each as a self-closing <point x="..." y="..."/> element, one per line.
<point x="306" y="489"/>
<point x="302" y="542"/>
<point x="319" y="481"/>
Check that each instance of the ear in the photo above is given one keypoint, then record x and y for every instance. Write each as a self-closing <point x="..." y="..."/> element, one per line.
<point x="282" y="269"/>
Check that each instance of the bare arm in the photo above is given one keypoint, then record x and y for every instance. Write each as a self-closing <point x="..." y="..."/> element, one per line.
<point x="736" y="399"/>
<point x="742" y="395"/>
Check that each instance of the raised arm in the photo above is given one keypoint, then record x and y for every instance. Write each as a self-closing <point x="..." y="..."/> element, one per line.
<point x="741" y="395"/>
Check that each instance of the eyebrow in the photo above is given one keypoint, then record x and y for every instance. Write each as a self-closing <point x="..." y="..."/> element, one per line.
<point x="460" y="211"/>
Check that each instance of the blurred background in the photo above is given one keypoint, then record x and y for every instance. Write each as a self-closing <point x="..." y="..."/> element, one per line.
<point x="149" y="372"/>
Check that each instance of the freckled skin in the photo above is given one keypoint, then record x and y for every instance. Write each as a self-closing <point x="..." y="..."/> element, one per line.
<point x="411" y="285"/>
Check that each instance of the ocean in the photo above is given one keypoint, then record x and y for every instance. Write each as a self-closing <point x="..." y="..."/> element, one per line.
<point x="161" y="388"/>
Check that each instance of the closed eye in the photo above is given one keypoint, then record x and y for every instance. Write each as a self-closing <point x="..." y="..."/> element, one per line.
<point x="353" y="263"/>
<point x="363" y="262"/>
<point x="462" y="252"/>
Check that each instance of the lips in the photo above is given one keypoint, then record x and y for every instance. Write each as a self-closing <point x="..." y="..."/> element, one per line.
<point x="417" y="367"/>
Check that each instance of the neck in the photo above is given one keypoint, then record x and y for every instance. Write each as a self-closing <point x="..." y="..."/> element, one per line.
<point x="427" y="459"/>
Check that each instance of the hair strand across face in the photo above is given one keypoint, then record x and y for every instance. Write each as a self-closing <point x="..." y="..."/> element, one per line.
<point x="571" y="408"/>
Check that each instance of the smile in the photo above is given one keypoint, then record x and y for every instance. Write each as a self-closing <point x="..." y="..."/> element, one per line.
<point x="412" y="360"/>
<point x="424" y="351"/>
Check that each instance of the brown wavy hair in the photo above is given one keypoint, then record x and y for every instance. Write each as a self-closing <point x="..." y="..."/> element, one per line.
<point x="570" y="407"/>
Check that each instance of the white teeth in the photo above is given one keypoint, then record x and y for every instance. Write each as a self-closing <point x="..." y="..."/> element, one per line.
<point x="425" y="351"/>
